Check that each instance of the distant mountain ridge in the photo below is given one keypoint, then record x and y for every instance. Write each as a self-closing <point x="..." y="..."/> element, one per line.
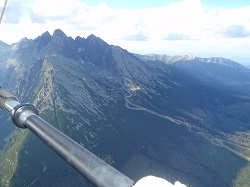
<point x="215" y="70"/>
<point x="144" y="115"/>
<point x="175" y="58"/>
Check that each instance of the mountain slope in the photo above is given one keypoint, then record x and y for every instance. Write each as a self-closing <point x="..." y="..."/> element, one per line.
<point x="142" y="117"/>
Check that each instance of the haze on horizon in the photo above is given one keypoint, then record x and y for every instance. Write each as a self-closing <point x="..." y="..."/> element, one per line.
<point x="173" y="27"/>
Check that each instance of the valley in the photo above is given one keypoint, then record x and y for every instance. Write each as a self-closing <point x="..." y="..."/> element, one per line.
<point x="191" y="128"/>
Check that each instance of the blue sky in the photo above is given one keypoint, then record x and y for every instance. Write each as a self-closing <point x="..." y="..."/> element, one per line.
<point x="194" y="27"/>
<point x="150" y="3"/>
<point x="132" y="4"/>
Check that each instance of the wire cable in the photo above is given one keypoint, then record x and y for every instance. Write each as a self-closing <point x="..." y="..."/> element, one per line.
<point x="4" y="7"/>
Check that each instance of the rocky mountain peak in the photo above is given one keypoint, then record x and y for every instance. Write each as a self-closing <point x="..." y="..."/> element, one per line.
<point x="43" y="40"/>
<point x="59" y="33"/>
<point x="3" y="44"/>
<point x="79" y="40"/>
<point x="24" y="43"/>
<point x="46" y="35"/>
<point x="93" y="40"/>
<point x="61" y="43"/>
<point x="24" y="40"/>
<point x="92" y="36"/>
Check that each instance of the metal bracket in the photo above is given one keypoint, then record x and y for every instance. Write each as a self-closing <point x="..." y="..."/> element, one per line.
<point x="21" y="112"/>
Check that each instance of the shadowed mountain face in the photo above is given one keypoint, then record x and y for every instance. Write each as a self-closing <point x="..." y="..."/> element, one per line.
<point x="139" y="114"/>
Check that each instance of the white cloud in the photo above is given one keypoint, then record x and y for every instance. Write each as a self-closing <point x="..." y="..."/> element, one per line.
<point x="185" y="23"/>
<point x="56" y="8"/>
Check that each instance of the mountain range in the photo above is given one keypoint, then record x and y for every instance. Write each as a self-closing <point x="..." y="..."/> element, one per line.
<point x="181" y="118"/>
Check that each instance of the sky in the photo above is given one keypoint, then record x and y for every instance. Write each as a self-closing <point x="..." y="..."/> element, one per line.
<point x="205" y="28"/>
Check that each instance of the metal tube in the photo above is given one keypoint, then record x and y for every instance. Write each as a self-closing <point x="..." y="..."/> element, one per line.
<point x="90" y="166"/>
<point x="10" y="104"/>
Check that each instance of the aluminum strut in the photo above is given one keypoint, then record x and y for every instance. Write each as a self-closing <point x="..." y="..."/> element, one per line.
<point x="90" y="166"/>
